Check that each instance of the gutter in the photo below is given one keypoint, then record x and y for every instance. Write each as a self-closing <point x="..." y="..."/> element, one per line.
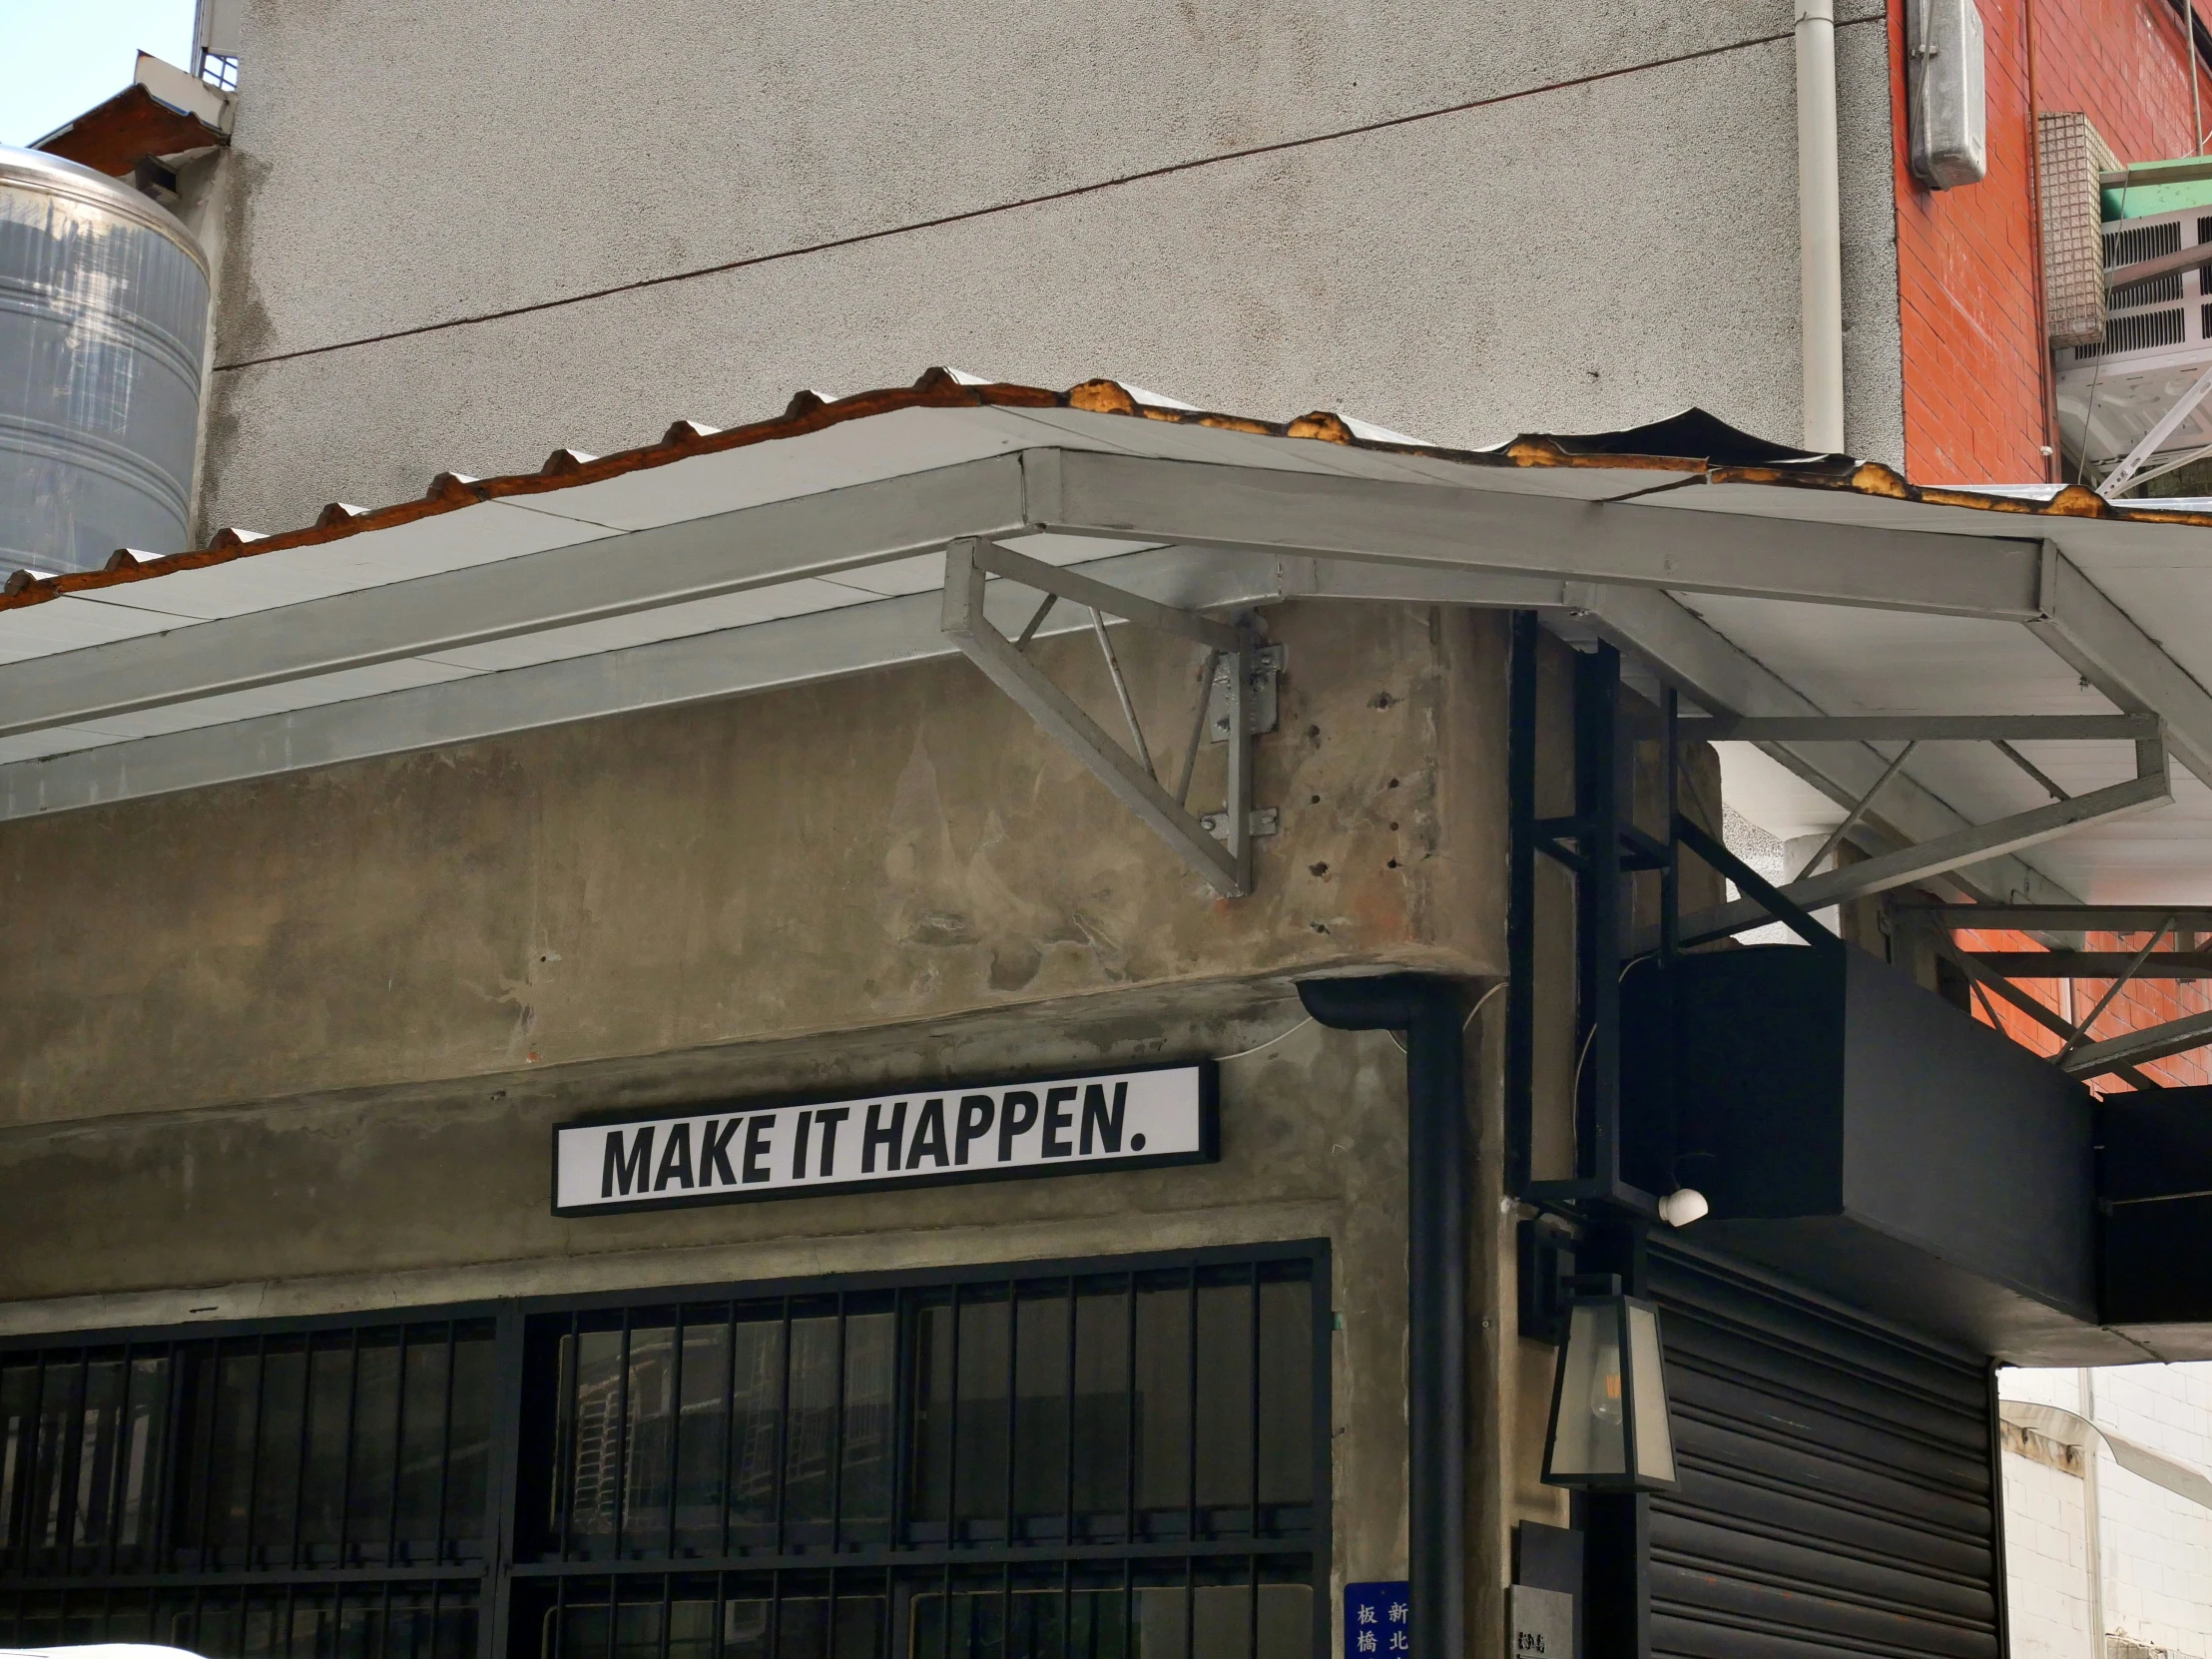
<point x="1427" y="1009"/>
<point x="1820" y="227"/>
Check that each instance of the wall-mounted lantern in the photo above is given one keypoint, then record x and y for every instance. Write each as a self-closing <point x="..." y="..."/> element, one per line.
<point x="1609" y="1431"/>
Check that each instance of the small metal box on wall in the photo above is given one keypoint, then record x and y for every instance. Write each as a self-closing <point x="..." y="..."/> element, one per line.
<point x="1947" y="103"/>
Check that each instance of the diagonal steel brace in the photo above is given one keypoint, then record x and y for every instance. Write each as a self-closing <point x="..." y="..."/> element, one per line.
<point x="2149" y="787"/>
<point x="970" y="561"/>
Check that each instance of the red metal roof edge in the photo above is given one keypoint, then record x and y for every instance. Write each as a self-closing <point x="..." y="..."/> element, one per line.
<point x="116" y="132"/>
<point x="939" y="389"/>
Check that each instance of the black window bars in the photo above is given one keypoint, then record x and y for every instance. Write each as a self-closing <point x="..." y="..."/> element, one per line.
<point x="1073" y="1461"/>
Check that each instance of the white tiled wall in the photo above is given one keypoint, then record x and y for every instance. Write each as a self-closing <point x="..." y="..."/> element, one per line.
<point x="2157" y="1546"/>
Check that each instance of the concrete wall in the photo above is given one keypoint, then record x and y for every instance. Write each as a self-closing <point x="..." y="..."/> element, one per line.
<point x="1459" y="222"/>
<point x="868" y="852"/>
<point x="435" y="1195"/>
<point x="2156" y="1546"/>
<point x="298" y="1048"/>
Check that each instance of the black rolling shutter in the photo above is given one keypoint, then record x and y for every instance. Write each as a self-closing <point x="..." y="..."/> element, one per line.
<point x="1835" y="1483"/>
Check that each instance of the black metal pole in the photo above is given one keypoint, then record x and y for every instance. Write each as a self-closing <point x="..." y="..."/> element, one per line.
<point x="1600" y="807"/>
<point x="1616" y="1572"/>
<point x="1520" y="904"/>
<point x="1427" y="1009"/>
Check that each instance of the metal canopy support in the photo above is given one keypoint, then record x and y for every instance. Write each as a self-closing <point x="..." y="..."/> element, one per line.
<point x="2096" y="964"/>
<point x="2133" y="461"/>
<point x="1328" y="515"/>
<point x="1690" y="654"/>
<point x="1994" y="971"/>
<point x="2104" y="646"/>
<point x="2068" y="918"/>
<point x="2152" y="1042"/>
<point x="969" y="562"/>
<point x="2148" y="788"/>
<point x="2081" y="1033"/>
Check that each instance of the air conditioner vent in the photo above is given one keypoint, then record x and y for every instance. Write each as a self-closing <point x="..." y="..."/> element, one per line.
<point x="2155" y="291"/>
<point x="2141" y="242"/>
<point x="2139" y="331"/>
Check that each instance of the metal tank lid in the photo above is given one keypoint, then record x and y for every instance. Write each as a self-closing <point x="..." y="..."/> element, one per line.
<point x="36" y="171"/>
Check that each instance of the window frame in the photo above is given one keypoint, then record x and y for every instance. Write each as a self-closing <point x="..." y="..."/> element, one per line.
<point x="497" y="1575"/>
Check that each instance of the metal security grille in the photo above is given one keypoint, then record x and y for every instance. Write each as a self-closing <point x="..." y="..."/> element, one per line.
<point x="1089" y="1461"/>
<point x="1074" y="1464"/>
<point x="2070" y="155"/>
<point x="207" y="1494"/>
<point x="1837" y="1486"/>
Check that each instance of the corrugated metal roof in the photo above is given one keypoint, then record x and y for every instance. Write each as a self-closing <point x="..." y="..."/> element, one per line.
<point x="566" y="537"/>
<point x="1694" y="445"/>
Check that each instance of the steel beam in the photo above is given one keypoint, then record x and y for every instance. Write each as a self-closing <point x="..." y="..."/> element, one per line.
<point x="609" y="576"/>
<point x="1923" y="728"/>
<point x="2069" y="918"/>
<point x="2134" y="1048"/>
<point x="2096" y="964"/>
<point x="1513" y="532"/>
<point x="1987" y="983"/>
<point x="1716" y="674"/>
<point x="695" y="667"/>
<point x="1228" y="870"/>
<point x="2107" y="649"/>
<point x="2149" y="787"/>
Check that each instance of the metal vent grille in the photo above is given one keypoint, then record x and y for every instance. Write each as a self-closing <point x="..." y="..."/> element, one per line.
<point x="2140" y="331"/>
<point x="2141" y="242"/>
<point x="2157" y="290"/>
<point x="2071" y="154"/>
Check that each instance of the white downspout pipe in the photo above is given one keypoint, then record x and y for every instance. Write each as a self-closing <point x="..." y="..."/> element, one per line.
<point x="1819" y="226"/>
<point x="2092" y="1520"/>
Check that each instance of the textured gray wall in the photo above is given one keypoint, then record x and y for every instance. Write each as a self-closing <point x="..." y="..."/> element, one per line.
<point x="1610" y="234"/>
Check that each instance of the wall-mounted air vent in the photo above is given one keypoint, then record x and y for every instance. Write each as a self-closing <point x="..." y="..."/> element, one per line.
<point x="2156" y="341"/>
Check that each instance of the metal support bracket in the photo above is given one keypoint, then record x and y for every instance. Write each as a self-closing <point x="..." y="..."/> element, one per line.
<point x="1268" y="821"/>
<point x="1225" y="864"/>
<point x="2151" y="786"/>
<point x="2131" y="1049"/>
<point x="1260" y="698"/>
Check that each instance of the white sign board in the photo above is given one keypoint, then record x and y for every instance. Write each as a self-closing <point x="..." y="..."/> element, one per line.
<point x="906" y="1138"/>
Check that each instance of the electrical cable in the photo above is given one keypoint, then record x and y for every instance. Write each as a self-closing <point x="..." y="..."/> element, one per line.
<point x="1291" y="1032"/>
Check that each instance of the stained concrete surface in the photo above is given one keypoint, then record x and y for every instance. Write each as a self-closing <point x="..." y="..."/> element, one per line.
<point x="298" y="1048"/>
<point x="871" y="852"/>
<point x="438" y="1194"/>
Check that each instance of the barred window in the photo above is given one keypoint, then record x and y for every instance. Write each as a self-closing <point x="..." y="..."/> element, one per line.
<point x="1102" y="1462"/>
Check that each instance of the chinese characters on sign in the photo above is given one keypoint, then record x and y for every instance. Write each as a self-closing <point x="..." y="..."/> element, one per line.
<point x="1543" y="1623"/>
<point x="1378" y="1620"/>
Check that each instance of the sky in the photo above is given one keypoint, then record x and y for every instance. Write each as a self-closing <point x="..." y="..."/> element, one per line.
<point x="58" y="58"/>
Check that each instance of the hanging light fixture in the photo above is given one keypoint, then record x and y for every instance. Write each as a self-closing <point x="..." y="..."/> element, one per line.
<point x="1609" y="1431"/>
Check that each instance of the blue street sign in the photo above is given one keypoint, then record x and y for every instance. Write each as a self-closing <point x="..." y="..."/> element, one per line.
<point x="1378" y="1620"/>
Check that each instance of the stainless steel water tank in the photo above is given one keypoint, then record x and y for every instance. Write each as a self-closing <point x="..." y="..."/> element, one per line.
<point x="103" y="326"/>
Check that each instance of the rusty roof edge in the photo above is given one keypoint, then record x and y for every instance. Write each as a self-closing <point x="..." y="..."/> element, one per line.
<point x="941" y="388"/>
<point x="1874" y="478"/>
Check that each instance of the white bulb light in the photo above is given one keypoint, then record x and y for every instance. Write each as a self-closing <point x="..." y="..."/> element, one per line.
<point x="1683" y="1206"/>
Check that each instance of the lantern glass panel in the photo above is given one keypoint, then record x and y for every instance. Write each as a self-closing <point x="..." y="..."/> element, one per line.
<point x="1589" y="1427"/>
<point x="1654" y="1439"/>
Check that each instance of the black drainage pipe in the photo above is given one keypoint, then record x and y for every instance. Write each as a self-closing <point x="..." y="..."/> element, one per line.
<point x="1427" y="1009"/>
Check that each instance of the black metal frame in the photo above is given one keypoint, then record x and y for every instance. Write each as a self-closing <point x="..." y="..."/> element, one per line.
<point x="493" y="1581"/>
<point x="1607" y="1216"/>
<point x="1603" y="779"/>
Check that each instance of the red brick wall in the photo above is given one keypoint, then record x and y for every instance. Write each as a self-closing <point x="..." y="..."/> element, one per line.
<point x="1968" y="264"/>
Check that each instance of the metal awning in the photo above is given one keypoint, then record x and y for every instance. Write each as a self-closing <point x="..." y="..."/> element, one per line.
<point x="1760" y="582"/>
